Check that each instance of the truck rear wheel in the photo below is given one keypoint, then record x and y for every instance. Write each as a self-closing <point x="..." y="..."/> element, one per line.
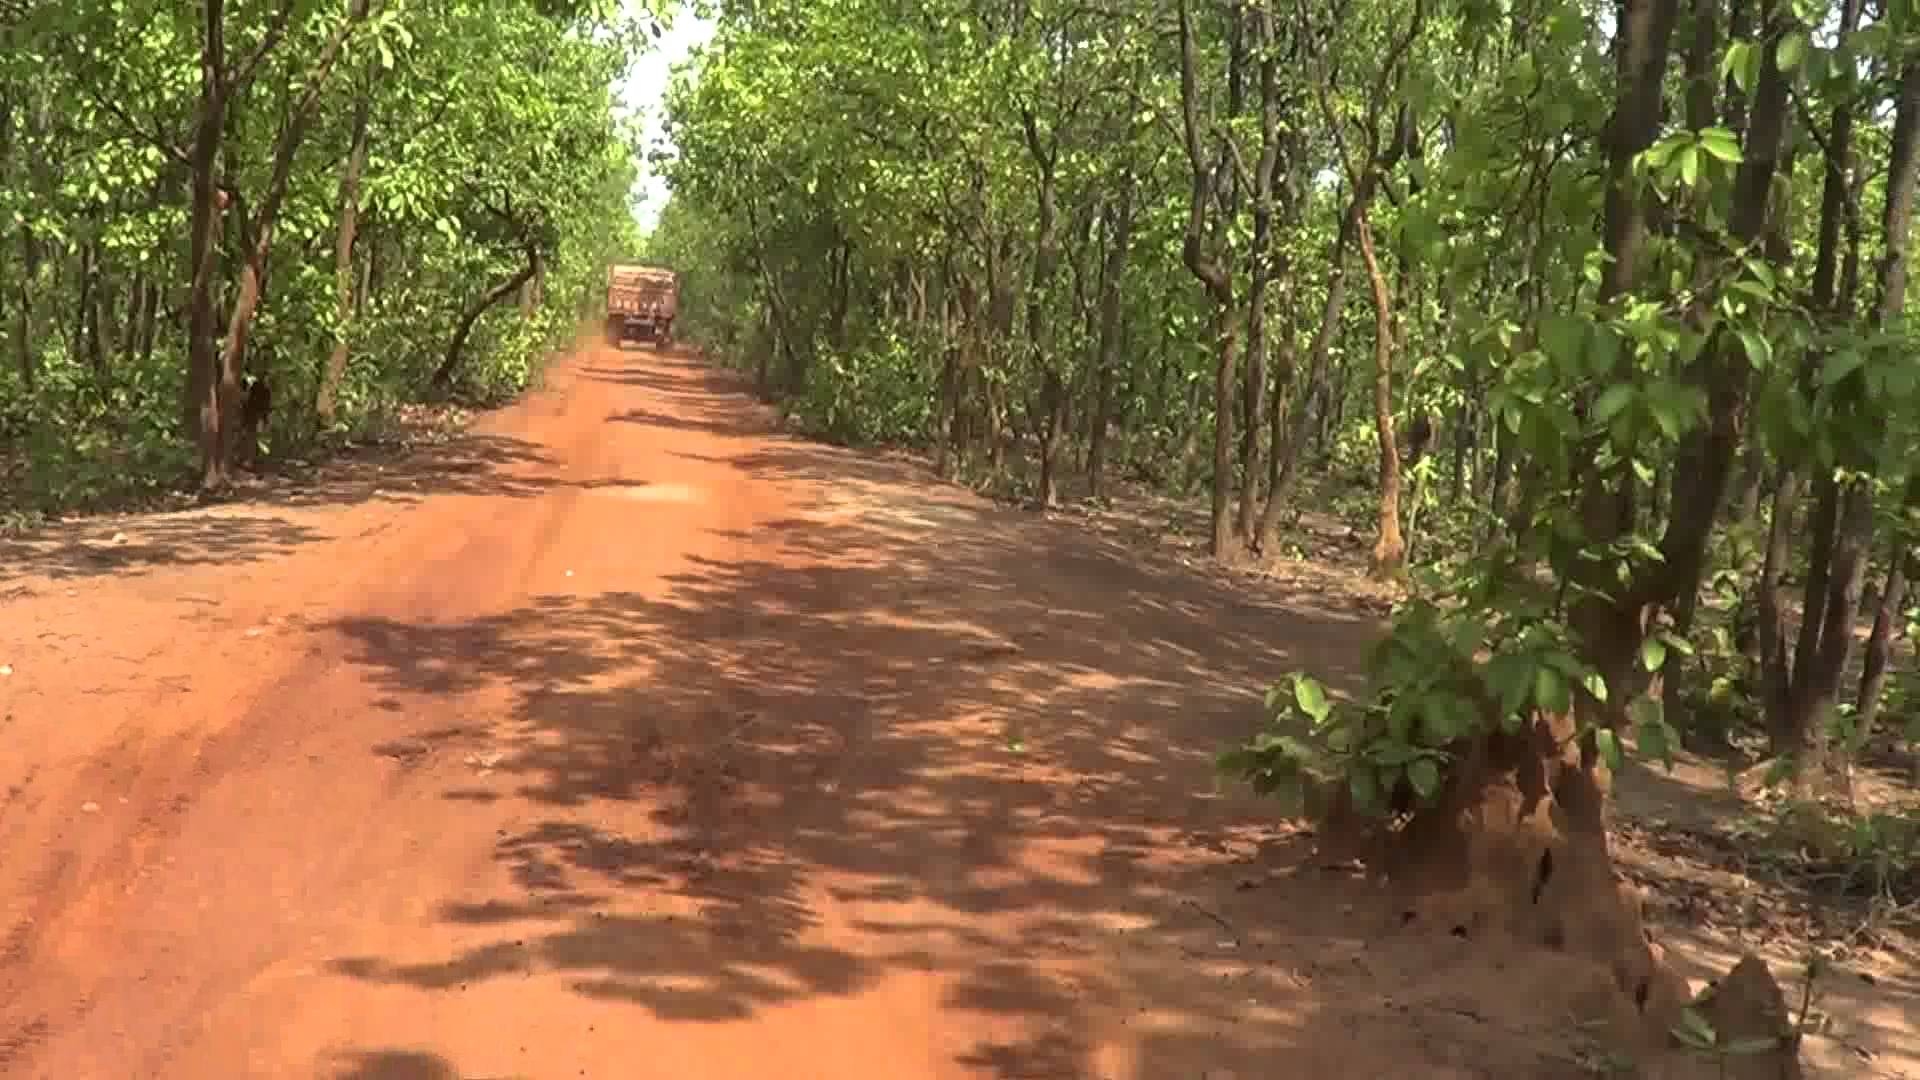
<point x="613" y="332"/>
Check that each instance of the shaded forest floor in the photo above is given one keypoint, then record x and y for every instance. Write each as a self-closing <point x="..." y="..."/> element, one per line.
<point x="621" y="736"/>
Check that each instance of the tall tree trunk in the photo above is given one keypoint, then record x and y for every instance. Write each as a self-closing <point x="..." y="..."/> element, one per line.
<point x="230" y="392"/>
<point x="326" y="401"/>
<point x="150" y="321"/>
<point x="203" y="412"/>
<point x="1315" y="393"/>
<point x="1119" y="228"/>
<point x="23" y="343"/>
<point x="135" y="321"/>
<point x="1842" y="529"/>
<point x="1046" y="260"/>
<point x="1389" y="547"/>
<point x="84" y="338"/>
<point x="1265" y="169"/>
<point x="1213" y="276"/>
<point x="1873" y="676"/>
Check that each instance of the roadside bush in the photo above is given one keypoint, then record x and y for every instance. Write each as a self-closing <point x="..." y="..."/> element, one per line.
<point x="882" y="390"/>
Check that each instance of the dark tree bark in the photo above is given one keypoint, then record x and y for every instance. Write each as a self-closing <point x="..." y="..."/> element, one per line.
<point x="449" y="369"/>
<point x="1045" y="150"/>
<point x="1518" y="837"/>
<point x="1204" y="224"/>
<point x="1315" y="396"/>
<point x="1841" y="525"/>
<point x="1265" y="172"/>
<point x="1873" y="676"/>
<point x="229" y="396"/>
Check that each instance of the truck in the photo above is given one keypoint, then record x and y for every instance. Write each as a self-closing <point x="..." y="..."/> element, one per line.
<point x="641" y="304"/>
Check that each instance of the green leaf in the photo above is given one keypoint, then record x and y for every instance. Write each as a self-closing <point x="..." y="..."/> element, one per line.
<point x="1595" y="685"/>
<point x="1603" y="350"/>
<point x="1511" y="677"/>
<point x="1609" y="746"/>
<point x="1689" y="164"/>
<point x="1791" y="48"/>
<point x="1550" y="690"/>
<point x="1759" y="352"/>
<point x="1871" y="39"/>
<point x="1721" y="144"/>
<point x="1563" y="336"/>
<point x="1653" y="653"/>
<point x="1401" y="716"/>
<point x="1650" y="734"/>
<point x="1436" y="723"/>
<point x="1749" y="74"/>
<point x="1614" y="399"/>
<point x="1424" y="775"/>
<point x="1312" y="698"/>
<point x="1752" y="1044"/>
<point x="1819" y="64"/>
<point x="1676" y="643"/>
<point x="1734" y="64"/>
<point x="1364" y="786"/>
<point x="1695" y="1029"/>
<point x="1840" y="365"/>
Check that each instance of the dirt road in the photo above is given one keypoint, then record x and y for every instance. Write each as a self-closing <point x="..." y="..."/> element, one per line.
<point x="625" y="739"/>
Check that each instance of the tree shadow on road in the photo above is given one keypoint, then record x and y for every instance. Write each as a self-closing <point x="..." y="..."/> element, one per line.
<point x="919" y="734"/>
<point x="699" y="397"/>
<point x="261" y="518"/>
<point x="151" y="542"/>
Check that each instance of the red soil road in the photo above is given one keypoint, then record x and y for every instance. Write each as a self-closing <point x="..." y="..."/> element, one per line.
<point x="623" y="738"/>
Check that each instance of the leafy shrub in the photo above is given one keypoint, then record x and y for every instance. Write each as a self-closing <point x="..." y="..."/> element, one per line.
<point x="880" y="391"/>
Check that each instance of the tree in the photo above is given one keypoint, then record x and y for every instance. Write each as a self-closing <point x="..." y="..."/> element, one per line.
<point x="1609" y="255"/>
<point x="168" y="172"/>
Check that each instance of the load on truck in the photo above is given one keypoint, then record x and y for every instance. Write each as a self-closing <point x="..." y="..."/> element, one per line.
<point x="641" y="304"/>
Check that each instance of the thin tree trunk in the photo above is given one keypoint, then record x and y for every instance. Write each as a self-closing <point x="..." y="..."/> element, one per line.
<point x="253" y="272"/>
<point x="1119" y="215"/>
<point x="1389" y="548"/>
<point x="1046" y="262"/>
<point x="1218" y="284"/>
<point x="203" y="412"/>
<point x="1263" y="258"/>
<point x="1315" y="394"/>
<point x="326" y="402"/>
<point x="1873" y="677"/>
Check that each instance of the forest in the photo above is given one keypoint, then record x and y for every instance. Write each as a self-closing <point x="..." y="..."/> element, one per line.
<point x="1580" y="324"/>
<point x="248" y="227"/>
<point x="1590" y="316"/>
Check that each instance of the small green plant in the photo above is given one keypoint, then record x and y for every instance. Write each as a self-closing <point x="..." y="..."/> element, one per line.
<point x="1697" y="1034"/>
<point x="1867" y="852"/>
<point x="1443" y="677"/>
